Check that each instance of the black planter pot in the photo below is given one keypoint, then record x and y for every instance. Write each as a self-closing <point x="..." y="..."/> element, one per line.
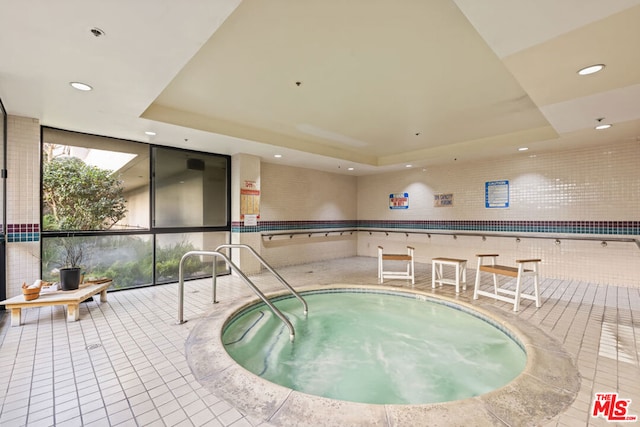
<point x="70" y="278"/>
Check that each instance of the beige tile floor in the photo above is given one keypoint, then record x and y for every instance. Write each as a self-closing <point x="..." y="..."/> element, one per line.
<point x="123" y="363"/>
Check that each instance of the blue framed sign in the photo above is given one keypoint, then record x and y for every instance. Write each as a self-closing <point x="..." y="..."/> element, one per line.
<point x="496" y="194"/>
<point x="399" y="201"/>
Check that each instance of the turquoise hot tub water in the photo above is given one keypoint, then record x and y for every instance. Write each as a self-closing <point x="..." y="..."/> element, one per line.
<point x="375" y="347"/>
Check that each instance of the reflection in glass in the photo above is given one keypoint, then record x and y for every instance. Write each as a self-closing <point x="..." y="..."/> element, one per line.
<point x="125" y="259"/>
<point x="171" y="247"/>
<point x="190" y="189"/>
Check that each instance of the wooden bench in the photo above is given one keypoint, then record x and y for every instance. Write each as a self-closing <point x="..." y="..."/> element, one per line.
<point x="518" y="272"/>
<point x="460" y="272"/>
<point x="71" y="299"/>
<point x="409" y="274"/>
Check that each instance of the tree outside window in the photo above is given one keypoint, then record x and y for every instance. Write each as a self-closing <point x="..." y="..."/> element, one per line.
<point x="78" y="196"/>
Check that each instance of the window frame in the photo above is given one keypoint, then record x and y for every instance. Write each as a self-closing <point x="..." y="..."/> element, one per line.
<point x="151" y="230"/>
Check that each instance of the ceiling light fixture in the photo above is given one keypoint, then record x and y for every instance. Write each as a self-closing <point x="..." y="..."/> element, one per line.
<point x="350" y="169"/>
<point x="523" y="148"/>
<point x="600" y="125"/>
<point x="591" y="69"/>
<point x="277" y="156"/>
<point x="81" y="86"/>
<point x="603" y="126"/>
<point x="408" y="166"/>
<point x="150" y="133"/>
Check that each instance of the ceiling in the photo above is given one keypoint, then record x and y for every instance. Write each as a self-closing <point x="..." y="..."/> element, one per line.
<point x="371" y="85"/>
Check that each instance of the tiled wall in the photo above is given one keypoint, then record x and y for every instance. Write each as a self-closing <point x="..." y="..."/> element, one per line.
<point x="244" y="167"/>
<point x="23" y="202"/>
<point x="23" y="232"/>
<point x="555" y="199"/>
<point x="592" y="184"/>
<point x="295" y="198"/>
<point x="591" y="192"/>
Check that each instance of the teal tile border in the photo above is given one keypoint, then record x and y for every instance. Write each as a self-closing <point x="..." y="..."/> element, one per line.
<point x="612" y="228"/>
<point x="31" y="232"/>
<point x="23" y="233"/>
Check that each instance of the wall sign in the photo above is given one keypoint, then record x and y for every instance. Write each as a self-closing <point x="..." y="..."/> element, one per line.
<point x="399" y="201"/>
<point x="249" y="200"/>
<point x="496" y="194"/>
<point x="250" y="220"/>
<point x="443" y="200"/>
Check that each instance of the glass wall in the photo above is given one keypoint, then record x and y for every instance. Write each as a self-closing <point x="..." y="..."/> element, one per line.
<point x="190" y="189"/>
<point x="104" y="211"/>
<point x="170" y="248"/>
<point x="93" y="183"/>
<point x="127" y="259"/>
<point x="3" y="203"/>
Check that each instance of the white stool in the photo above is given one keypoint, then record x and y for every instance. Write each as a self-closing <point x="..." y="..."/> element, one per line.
<point x="460" y="272"/>
<point x="408" y="274"/>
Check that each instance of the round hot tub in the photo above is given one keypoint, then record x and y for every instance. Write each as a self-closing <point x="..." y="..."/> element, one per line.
<point x="376" y="346"/>
<point x="451" y="388"/>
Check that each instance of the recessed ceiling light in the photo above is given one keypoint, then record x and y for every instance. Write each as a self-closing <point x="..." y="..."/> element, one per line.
<point x="350" y="169"/>
<point x="81" y="86"/>
<point x="277" y="156"/>
<point x="590" y="69"/>
<point x="150" y="133"/>
<point x="523" y="148"/>
<point x="603" y="126"/>
<point x="408" y="166"/>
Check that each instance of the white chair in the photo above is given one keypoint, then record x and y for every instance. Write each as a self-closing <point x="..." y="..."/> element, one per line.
<point x="408" y="274"/>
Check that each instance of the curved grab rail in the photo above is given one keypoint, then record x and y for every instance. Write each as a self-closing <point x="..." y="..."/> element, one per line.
<point x="240" y="274"/>
<point x="268" y="267"/>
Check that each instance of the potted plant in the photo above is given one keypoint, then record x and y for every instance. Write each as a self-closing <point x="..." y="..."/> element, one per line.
<point x="70" y="274"/>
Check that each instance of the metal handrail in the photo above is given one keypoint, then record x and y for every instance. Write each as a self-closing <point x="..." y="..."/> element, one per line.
<point x="239" y="272"/>
<point x="267" y="266"/>
<point x="456" y="233"/>
<point x="555" y="237"/>
<point x="310" y="232"/>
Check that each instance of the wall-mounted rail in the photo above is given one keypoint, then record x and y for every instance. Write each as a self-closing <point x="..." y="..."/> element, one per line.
<point x="556" y="237"/>
<point x="239" y="272"/>
<point x="309" y="233"/>
<point x="267" y="266"/>
<point x="455" y="233"/>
